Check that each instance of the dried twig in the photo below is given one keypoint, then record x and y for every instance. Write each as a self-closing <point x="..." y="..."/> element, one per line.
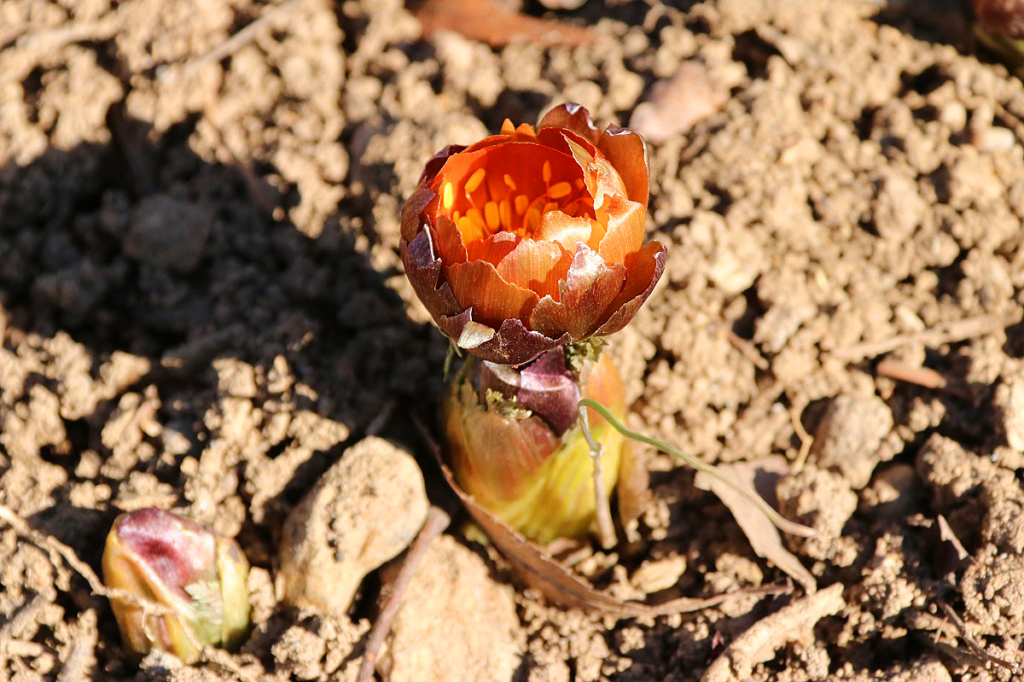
<point x="437" y="521"/>
<point x="947" y="332"/>
<point x="605" y="529"/>
<point x="747" y="349"/>
<point x="920" y="376"/>
<point x="972" y="643"/>
<point x="806" y="439"/>
<point x="764" y="638"/>
<point x="265" y="22"/>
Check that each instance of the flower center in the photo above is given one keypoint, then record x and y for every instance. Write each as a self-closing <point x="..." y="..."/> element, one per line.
<point x="508" y="197"/>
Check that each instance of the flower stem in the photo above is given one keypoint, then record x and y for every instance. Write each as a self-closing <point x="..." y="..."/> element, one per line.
<point x="777" y="519"/>
<point x="605" y="529"/>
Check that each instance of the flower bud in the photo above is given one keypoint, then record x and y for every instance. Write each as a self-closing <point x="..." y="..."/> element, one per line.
<point x="181" y="567"/>
<point x="514" y="442"/>
<point x="1000" y="26"/>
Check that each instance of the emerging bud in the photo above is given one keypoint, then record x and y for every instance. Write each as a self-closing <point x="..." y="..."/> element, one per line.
<point x="1000" y="26"/>
<point x="532" y="239"/>
<point x="175" y="563"/>
<point x="515" y="444"/>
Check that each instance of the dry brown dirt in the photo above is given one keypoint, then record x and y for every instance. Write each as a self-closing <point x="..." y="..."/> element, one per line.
<point x="202" y="306"/>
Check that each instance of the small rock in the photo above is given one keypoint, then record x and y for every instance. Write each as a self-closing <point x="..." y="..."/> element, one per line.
<point x="819" y="499"/>
<point x="366" y="509"/>
<point x="655" y="575"/>
<point x="995" y="140"/>
<point x="1009" y="403"/>
<point x="850" y="436"/>
<point x="168" y="233"/>
<point x="480" y="640"/>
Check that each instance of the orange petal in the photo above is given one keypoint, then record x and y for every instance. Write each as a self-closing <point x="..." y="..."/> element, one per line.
<point x="449" y="241"/>
<point x="644" y="272"/>
<point x="535" y="265"/>
<point x="627" y="152"/>
<point x="477" y="285"/>
<point x="625" y="235"/>
<point x="589" y="287"/>
<point x="574" y="117"/>
<point x="556" y="226"/>
<point x="494" y="248"/>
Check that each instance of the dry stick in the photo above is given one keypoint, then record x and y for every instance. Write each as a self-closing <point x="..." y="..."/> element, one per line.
<point x="605" y="529"/>
<point x="948" y="332"/>
<point x="920" y="376"/>
<point x="777" y="519"/>
<point x="747" y="350"/>
<point x="973" y="643"/>
<point x="806" y="439"/>
<point x="243" y="37"/>
<point x="437" y="521"/>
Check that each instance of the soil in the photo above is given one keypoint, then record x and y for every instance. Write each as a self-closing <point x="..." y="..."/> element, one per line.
<point x="202" y="306"/>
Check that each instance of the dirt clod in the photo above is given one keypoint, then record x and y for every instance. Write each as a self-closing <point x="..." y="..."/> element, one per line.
<point x="364" y="511"/>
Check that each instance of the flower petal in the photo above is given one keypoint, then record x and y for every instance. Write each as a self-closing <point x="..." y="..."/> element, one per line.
<point x="585" y="294"/>
<point x="412" y="211"/>
<point x="512" y="344"/>
<point x="625" y="235"/>
<point x="644" y="273"/>
<point x="568" y="231"/>
<point x="493" y="248"/>
<point x="627" y="152"/>
<point x="536" y="265"/>
<point x="423" y="268"/>
<point x="574" y="117"/>
<point x="449" y="241"/>
<point x="477" y="285"/>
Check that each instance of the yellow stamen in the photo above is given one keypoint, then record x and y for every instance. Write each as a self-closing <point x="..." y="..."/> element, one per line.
<point x="475" y="179"/>
<point x="559" y="190"/>
<point x="579" y="183"/>
<point x="448" y="196"/>
<point x="478" y="220"/>
<point x="505" y="210"/>
<point x="509" y="182"/>
<point x="546" y="172"/>
<point x="491" y="213"/>
<point x="550" y="206"/>
<point x="522" y="203"/>
<point x="471" y="232"/>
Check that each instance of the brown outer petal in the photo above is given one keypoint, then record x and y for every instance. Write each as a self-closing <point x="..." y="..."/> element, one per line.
<point x="627" y="152"/>
<point x="423" y="268"/>
<point x="573" y="117"/>
<point x="512" y="344"/>
<point x="644" y="274"/>
<point x="412" y="211"/>
<point x="585" y="295"/>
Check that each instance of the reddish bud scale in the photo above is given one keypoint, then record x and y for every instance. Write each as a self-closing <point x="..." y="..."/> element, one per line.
<point x="523" y="456"/>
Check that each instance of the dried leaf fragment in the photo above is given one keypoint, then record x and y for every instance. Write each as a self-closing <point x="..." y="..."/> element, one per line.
<point x="494" y="24"/>
<point x="760" y="531"/>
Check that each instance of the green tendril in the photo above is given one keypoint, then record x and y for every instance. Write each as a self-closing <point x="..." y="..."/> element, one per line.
<point x="777" y="519"/>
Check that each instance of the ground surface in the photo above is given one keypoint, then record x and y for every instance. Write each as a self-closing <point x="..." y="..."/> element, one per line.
<point x="203" y="306"/>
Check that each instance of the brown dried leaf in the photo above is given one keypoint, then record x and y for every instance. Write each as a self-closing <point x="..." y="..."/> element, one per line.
<point x="676" y="104"/>
<point x="559" y="584"/>
<point x="760" y="531"/>
<point x="494" y="24"/>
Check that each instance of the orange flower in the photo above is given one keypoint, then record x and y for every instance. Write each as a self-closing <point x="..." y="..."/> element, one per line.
<point x="529" y="240"/>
